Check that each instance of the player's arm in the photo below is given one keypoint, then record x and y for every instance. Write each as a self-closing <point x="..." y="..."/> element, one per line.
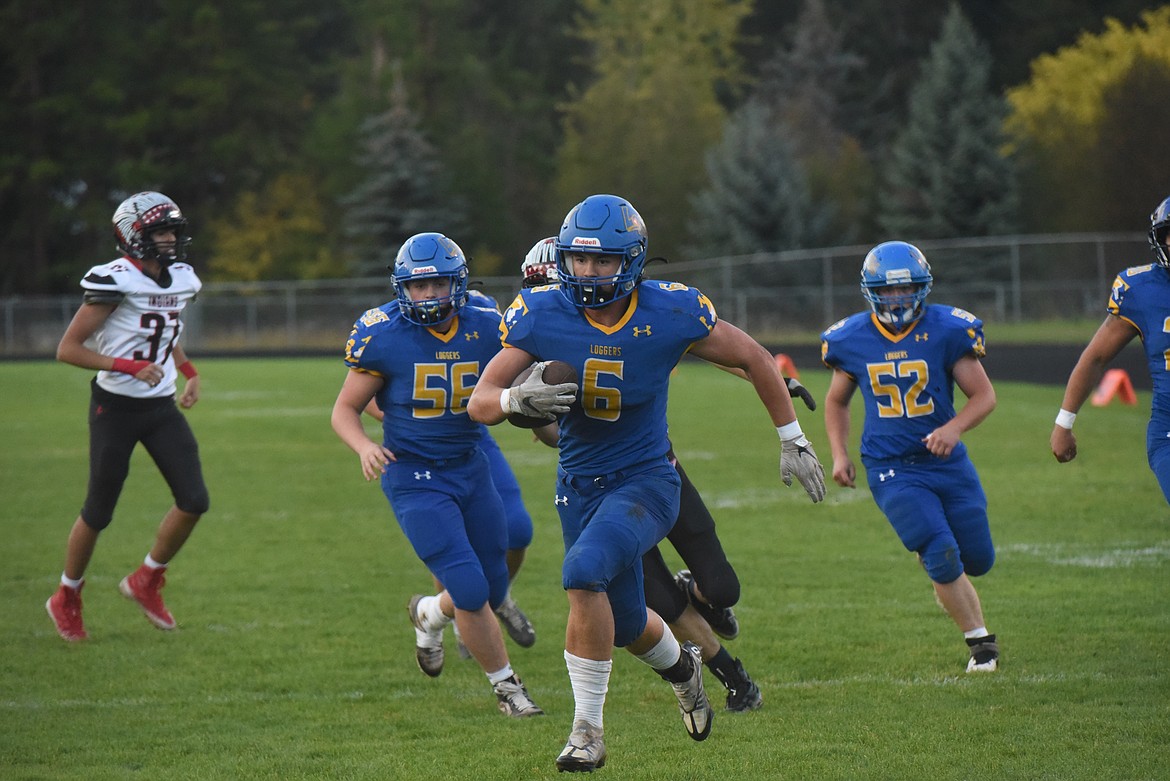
<point x="183" y="364"/>
<point x="374" y="411"/>
<point x="972" y="379"/>
<point x="356" y="392"/>
<point x="1113" y="334"/>
<point x="795" y="387"/>
<point x="85" y="323"/>
<point x="484" y="405"/>
<point x="837" y="421"/>
<point x="728" y="346"/>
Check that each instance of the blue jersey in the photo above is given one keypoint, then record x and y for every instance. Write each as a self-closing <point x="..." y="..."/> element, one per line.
<point x="1141" y="297"/>
<point x="624" y="370"/>
<point x="906" y="379"/>
<point x="428" y="377"/>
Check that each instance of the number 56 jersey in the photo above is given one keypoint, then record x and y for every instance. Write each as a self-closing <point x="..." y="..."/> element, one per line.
<point x="905" y="379"/>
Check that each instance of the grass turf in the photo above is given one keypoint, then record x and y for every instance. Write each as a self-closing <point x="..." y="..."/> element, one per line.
<point x="294" y="657"/>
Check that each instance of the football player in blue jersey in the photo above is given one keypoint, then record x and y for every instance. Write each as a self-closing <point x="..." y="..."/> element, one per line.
<point x="420" y="356"/>
<point x="907" y="357"/>
<point x="698" y="602"/>
<point x="1139" y="305"/>
<point x="617" y="493"/>
<point x="520" y="528"/>
<point x="127" y="329"/>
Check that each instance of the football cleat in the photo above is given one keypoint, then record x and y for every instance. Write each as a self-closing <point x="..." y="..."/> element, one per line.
<point x="585" y="751"/>
<point x="64" y="607"/>
<point x="428" y="646"/>
<point x="984" y="654"/>
<point x="742" y="693"/>
<point x="693" y="704"/>
<point x="513" y="699"/>
<point x="517" y="625"/>
<point x="144" y="586"/>
<point x="722" y="620"/>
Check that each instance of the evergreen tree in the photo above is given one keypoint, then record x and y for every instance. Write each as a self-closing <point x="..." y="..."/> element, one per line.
<point x="405" y="190"/>
<point x="947" y="176"/>
<point x="757" y="198"/>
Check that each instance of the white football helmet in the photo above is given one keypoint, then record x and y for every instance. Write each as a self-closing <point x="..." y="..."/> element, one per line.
<point x="140" y="215"/>
<point x="540" y="264"/>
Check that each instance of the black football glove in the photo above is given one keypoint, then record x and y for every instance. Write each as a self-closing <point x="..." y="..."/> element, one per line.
<point x="796" y="389"/>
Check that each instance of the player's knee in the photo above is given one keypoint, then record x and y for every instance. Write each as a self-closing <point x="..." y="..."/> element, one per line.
<point x="580" y="569"/>
<point x="977" y="563"/>
<point x="628" y="628"/>
<point x="943" y="565"/>
<point x="196" y="502"/>
<point x="468" y="590"/>
<point x="97" y="518"/>
<point x="721" y="588"/>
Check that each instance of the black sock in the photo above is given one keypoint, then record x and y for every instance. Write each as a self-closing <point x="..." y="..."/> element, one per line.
<point x="680" y="671"/>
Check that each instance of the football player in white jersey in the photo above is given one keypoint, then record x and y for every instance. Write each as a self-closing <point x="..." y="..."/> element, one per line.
<point x="127" y="329"/>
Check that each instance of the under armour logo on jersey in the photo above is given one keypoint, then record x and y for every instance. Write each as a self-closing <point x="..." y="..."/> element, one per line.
<point x="423" y="475"/>
<point x="883" y="475"/>
<point x="472" y="335"/>
<point x="561" y="500"/>
<point x="641" y="331"/>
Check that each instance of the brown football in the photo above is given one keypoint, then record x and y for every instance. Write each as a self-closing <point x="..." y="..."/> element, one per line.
<point x="555" y="373"/>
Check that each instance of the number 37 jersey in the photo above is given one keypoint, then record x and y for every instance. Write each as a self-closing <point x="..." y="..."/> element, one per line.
<point x="905" y="379"/>
<point x="145" y="324"/>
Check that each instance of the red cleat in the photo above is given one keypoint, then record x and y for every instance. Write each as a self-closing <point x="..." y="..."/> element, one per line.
<point x="64" y="607"/>
<point x="143" y="585"/>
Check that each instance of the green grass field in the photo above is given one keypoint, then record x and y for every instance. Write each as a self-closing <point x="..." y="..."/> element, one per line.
<point x="294" y="657"/>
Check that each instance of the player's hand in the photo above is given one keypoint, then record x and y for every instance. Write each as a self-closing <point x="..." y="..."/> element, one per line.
<point x="796" y="389"/>
<point x="844" y="473"/>
<point x="374" y="458"/>
<point x="1064" y="444"/>
<point x="537" y="399"/>
<point x="797" y="458"/>
<point x="190" y="393"/>
<point x="942" y="441"/>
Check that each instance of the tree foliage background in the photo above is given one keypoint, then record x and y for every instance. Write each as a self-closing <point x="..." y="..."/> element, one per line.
<point x="259" y="116"/>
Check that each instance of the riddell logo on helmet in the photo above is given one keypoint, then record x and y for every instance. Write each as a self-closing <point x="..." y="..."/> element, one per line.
<point x="586" y="241"/>
<point x="414" y="272"/>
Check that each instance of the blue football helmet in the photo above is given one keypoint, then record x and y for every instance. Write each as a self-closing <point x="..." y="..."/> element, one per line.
<point x="895" y="263"/>
<point x="1159" y="224"/>
<point x="424" y="256"/>
<point x="142" y="214"/>
<point x="602" y="225"/>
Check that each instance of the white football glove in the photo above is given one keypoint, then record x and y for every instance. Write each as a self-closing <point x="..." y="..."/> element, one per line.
<point x="798" y="458"/>
<point x="537" y="399"/>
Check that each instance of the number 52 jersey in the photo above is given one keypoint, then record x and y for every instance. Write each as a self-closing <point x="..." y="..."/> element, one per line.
<point x="905" y="379"/>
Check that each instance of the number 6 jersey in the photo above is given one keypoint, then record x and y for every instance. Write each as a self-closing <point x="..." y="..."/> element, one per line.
<point x="905" y="379"/>
<point x="144" y="325"/>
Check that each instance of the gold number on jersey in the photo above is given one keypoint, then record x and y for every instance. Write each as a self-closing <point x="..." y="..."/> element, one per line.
<point x="437" y="390"/>
<point x="601" y="402"/>
<point x="915" y="403"/>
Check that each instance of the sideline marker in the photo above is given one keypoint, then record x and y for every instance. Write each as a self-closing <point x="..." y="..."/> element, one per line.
<point x="1116" y="382"/>
<point x="786" y="366"/>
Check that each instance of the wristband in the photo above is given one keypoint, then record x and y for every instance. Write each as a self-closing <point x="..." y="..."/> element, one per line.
<point x="187" y="369"/>
<point x="127" y="366"/>
<point x="505" y="396"/>
<point x="1065" y="419"/>
<point x="789" y="431"/>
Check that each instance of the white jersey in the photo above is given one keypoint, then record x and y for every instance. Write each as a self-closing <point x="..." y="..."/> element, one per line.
<point x="145" y="324"/>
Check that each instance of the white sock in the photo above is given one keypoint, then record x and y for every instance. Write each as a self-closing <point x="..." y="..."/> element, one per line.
<point x="432" y="616"/>
<point x="980" y="631"/>
<point x="70" y="582"/>
<point x="502" y="674"/>
<point x="665" y="653"/>
<point x="150" y="562"/>
<point x="590" y="680"/>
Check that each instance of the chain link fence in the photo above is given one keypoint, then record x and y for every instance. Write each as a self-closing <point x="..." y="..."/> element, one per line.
<point x="1004" y="279"/>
